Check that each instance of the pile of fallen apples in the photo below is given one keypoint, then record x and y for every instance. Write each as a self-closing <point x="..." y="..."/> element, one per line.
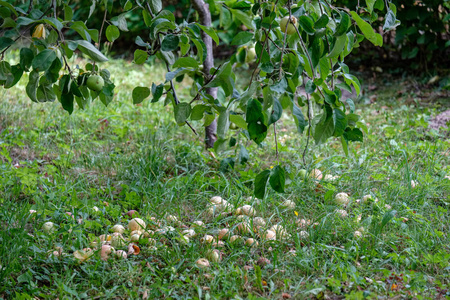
<point x="244" y="228"/>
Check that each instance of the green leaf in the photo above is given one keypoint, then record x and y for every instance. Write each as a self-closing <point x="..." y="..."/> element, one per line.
<point x="223" y="79"/>
<point x="140" y="56"/>
<point x="321" y="22"/>
<point x="277" y="179"/>
<point x="147" y="18"/>
<point x="107" y="94"/>
<point x="340" y="122"/>
<point x="8" y="5"/>
<point x="277" y="111"/>
<point x="67" y="102"/>
<point x="390" y="21"/>
<point x="161" y="25"/>
<point x="170" y="42"/>
<point x="307" y="24"/>
<point x="243" y="155"/>
<point x="325" y="128"/>
<point x="45" y="93"/>
<point x="178" y="72"/>
<point x="367" y="30"/>
<point x="208" y="120"/>
<point x="23" y="21"/>
<point x="55" y="23"/>
<point x="120" y="21"/>
<point x="26" y="57"/>
<point x="225" y="17"/>
<point x="351" y="79"/>
<point x="82" y="30"/>
<point x="324" y="65"/>
<point x="354" y="134"/>
<point x="17" y="73"/>
<point x="241" y="38"/>
<point x="211" y="32"/>
<point x="8" y="23"/>
<point x="128" y="5"/>
<point x="386" y="218"/>
<point x="43" y="60"/>
<point x="52" y="73"/>
<point x="186" y="62"/>
<point x="5" y="71"/>
<point x="199" y="45"/>
<point x="351" y="104"/>
<point x="338" y="46"/>
<point x="223" y="124"/>
<point x="32" y="86"/>
<point x="260" y="184"/>
<point x="255" y="121"/>
<point x="243" y="17"/>
<point x="155" y="6"/>
<point x="343" y="25"/>
<point x="157" y="91"/>
<point x="5" y="42"/>
<point x="112" y="33"/>
<point x="140" y="93"/>
<point x="198" y="111"/>
<point x="299" y="118"/>
<point x="182" y="112"/>
<point x="254" y="113"/>
<point x="239" y="121"/>
<point x="89" y="49"/>
<point x="68" y="13"/>
<point x="370" y="4"/>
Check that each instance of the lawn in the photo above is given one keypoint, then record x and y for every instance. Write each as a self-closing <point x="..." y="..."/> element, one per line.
<point x="84" y="172"/>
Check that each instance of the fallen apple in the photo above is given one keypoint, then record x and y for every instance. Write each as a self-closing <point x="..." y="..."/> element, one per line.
<point x="136" y="224"/>
<point x="49" y="227"/>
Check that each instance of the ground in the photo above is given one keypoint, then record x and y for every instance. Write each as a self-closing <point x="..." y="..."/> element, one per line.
<point x="390" y="241"/>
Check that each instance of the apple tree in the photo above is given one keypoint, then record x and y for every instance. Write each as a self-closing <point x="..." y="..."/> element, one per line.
<point x="292" y="46"/>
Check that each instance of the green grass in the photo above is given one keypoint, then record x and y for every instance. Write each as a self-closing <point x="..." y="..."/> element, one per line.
<point x="140" y="159"/>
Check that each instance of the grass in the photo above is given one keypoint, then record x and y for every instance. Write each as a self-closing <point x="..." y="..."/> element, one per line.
<point x="126" y="157"/>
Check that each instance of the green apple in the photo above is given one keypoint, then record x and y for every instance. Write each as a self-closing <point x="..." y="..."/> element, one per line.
<point x="302" y="173"/>
<point x="251" y="54"/>
<point x="48" y="227"/>
<point x="291" y="27"/>
<point x="95" y="83"/>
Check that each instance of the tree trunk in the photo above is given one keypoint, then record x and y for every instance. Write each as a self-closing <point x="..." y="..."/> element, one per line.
<point x="205" y="19"/>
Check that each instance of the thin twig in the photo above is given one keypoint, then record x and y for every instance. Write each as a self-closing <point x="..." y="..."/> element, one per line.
<point x="263" y="46"/>
<point x="67" y="65"/>
<point x="306" y="52"/>
<point x="101" y="28"/>
<point x="276" y="141"/>
<point x="100" y="34"/>
<point x="284" y="40"/>
<point x="309" y="126"/>
<point x="30" y="7"/>
<point x="206" y="83"/>
<point x="278" y="47"/>
<point x="328" y="44"/>
<point x="175" y="97"/>
<point x="332" y="16"/>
